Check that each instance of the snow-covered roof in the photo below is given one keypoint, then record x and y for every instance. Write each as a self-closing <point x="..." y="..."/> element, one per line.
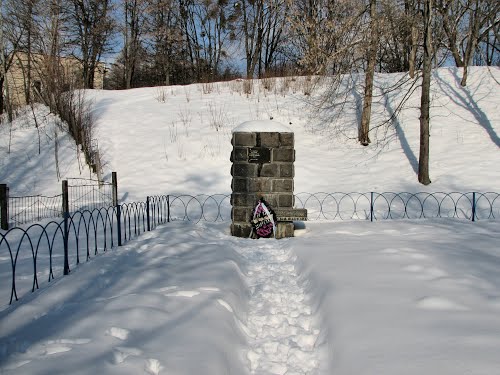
<point x="262" y="126"/>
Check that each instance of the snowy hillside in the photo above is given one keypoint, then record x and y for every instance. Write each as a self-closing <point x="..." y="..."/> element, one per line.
<point x="177" y="139"/>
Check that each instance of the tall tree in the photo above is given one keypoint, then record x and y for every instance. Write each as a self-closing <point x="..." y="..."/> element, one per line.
<point x="488" y="52"/>
<point x="465" y="24"/>
<point x="52" y="73"/>
<point x="398" y="29"/>
<point x="252" y="30"/>
<point x="423" y="161"/>
<point x="19" y="33"/>
<point x="3" y="58"/>
<point x="275" y="29"/>
<point x="28" y="20"/>
<point x="166" y="37"/>
<point x="364" y="126"/>
<point x="411" y="11"/>
<point x="133" y="31"/>
<point x="91" y="26"/>
<point x="261" y="24"/>
<point x="326" y="35"/>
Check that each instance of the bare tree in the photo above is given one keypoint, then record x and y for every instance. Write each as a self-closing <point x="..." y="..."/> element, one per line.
<point x="399" y="36"/>
<point x="3" y="57"/>
<point x="29" y="27"/>
<point x="465" y="24"/>
<point x="133" y="31"/>
<point x="488" y="52"/>
<point x="326" y="35"/>
<point x="275" y="29"/>
<point x="364" y="126"/>
<point x="91" y="26"/>
<point x="423" y="161"/>
<point x="17" y="18"/>
<point x="261" y="24"/>
<point x="166" y="37"/>
<point x="208" y="33"/>
<point x="252" y="29"/>
<point x="412" y="13"/>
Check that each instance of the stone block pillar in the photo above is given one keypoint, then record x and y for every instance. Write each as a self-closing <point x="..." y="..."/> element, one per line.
<point x="263" y="156"/>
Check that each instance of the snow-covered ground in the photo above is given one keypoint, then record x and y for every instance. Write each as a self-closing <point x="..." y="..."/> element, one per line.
<point x="415" y="297"/>
<point x="391" y="297"/>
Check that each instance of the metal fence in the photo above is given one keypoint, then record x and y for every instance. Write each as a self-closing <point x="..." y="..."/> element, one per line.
<point x="43" y="252"/>
<point x="83" y="194"/>
<point x="28" y="209"/>
<point x="389" y="205"/>
<point x="345" y="206"/>
<point x="88" y="194"/>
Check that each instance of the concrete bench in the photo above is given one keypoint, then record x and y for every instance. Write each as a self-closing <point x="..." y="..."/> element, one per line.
<point x="285" y="218"/>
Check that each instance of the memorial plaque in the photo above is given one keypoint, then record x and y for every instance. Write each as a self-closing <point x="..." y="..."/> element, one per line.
<point x="259" y="155"/>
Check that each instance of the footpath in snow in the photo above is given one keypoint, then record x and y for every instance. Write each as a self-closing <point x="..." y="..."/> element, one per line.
<point x="182" y="299"/>
<point x="280" y="324"/>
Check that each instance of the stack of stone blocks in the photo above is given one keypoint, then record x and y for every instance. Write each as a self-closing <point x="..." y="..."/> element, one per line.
<point x="262" y="167"/>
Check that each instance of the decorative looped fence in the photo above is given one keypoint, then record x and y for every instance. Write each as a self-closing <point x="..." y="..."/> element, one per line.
<point x="388" y="205"/>
<point x="30" y="255"/>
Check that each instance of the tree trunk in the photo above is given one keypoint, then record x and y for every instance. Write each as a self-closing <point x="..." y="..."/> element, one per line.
<point x="413" y="50"/>
<point x="364" y="127"/>
<point x="27" y="88"/>
<point x="474" y="24"/>
<point x="423" y="161"/>
<point x="2" y="61"/>
<point x="166" y="72"/>
<point x="1" y="94"/>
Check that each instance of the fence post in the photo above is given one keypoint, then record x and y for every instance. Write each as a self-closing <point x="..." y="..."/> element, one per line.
<point x="114" y="182"/>
<point x="168" y="208"/>
<point x="147" y="214"/>
<point x="371" y="206"/>
<point x="474" y="206"/>
<point x="4" y="207"/>
<point x="65" y="208"/>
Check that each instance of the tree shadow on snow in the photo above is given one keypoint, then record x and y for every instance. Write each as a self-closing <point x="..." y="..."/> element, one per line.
<point x="463" y="97"/>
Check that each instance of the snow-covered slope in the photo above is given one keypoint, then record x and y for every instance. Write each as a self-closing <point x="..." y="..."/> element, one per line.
<point x="177" y="139"/>
<point x="183" y="145"/>
<point x="36" y="153"/>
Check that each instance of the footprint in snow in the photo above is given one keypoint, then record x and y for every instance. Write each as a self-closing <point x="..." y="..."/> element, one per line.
<point x="440" y="304"/>
<point x="209" y="289"/>
<point x="191" y="293"/>
<point x="119" y="333"/>
<point x="43" y="349"/>
<point x="153" y="366"/>
<point x="121" y="353"/>
<point x="183" y="293"/>
<point x="167" y="288"/>
<point x="433" y="273"/>
<point x="14" y="365"/>
<point x="225" y="305"/>
<point x="52" y="347"/>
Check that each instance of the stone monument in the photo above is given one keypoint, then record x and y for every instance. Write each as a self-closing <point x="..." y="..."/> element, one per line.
<point x="263" y="158"/>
